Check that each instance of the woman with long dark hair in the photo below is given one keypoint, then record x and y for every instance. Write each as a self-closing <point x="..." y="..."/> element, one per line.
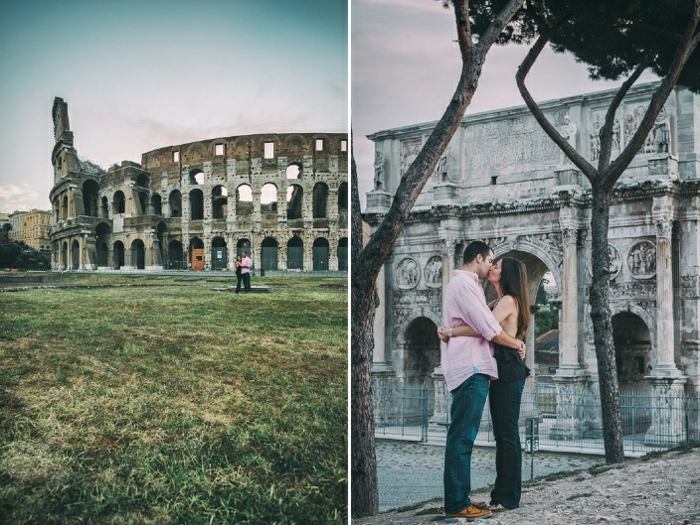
<point x="511" y="309"/>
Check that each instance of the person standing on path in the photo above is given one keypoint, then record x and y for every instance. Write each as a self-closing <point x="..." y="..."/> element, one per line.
<point x="511" y="309"/>
<point x="246" y="264"/>
<point x="239" y="277"/>
<point x="468" y="365"/>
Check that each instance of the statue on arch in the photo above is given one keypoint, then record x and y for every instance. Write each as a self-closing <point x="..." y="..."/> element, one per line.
<point x="378" y="170"/>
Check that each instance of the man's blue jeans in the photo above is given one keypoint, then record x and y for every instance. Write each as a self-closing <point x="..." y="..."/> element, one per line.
<point x="504" y="403"/>
<point x="468" y="401"/>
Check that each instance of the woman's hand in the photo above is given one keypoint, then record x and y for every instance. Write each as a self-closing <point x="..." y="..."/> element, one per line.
<point x="522" y="350"/>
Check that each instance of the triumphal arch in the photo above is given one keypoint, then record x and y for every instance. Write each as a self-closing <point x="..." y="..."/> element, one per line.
<point x="502" y="180"/>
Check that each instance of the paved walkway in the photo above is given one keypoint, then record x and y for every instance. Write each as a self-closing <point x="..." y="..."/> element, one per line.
<point x="409" y="473"/>
<point x="660" y="491"/>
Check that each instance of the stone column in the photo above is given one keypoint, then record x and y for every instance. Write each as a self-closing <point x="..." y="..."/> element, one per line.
<point x="570" y="375"/>
<point x="442" y="396"/>
<point x="568" y="341"/>
<point x="257" y="214"/>
<point x="667" y="403"/>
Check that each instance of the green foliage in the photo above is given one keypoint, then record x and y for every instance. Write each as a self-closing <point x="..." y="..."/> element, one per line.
<point x="546" y="319"/>
<point x="19" y="255"/>
<point x="158" y="400"/>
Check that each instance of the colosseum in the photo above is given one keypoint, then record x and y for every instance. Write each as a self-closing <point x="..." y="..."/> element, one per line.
<point x="282" y="198"/>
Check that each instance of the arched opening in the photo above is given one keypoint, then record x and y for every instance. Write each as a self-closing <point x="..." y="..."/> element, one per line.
<point x="633" y="361"/>
<point x="295" y="253"/>
<point x="196" y="254"/>
<point x="156" y="207"/>
<point x="175" y="202"/>
<point x="75" y="255"/>
<point x="105" y="208"/>
<point x="295" y="197"/>
<point x="162" y="235"/>
<point x="102" y="233"/>
<point x="196" y="205"/>
<point x="320" y="200"/>
<point x="90" y="190"/>
<point x="242" y="246"/>
<point x="196" y="177"/>
<point x="268" y="205"/>
<point x="294" y="171"/>
<point x="64" y="255"/>
<point x="118" y="202"/>
<point x="269" y="254"/>
<point x="422" y="357"/>
<point x="343" y="205"/>
<point x="244" y="205"/>
<point x="64" y="207"/>
<point x="118" y="255"/>
<point x="176" y="260"/>
<point x="142" y="180"/>
<point x="545" y="301"/>
<point x="343" y="254"/>
<point x="219" y="202"/>
<point x="320" y="249"/>
<point x="57" y="210"/>
<point x="219" y="259"/>
<point x="546" y="319"/>
<point x="138" y="254"/>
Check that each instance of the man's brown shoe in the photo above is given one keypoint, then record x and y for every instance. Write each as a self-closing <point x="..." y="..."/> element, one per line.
<point x="471" y="512"/>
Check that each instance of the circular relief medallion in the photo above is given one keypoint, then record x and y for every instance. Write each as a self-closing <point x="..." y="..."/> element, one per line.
<point x="614" y="261"/>
<point x="407" y="274"/>
<point x="432" y="273"/>
<point x="641" y="260"/>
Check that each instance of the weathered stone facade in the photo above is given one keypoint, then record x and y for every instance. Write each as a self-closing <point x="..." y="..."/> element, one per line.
<point x="32" y="228"/>
<point x="504" y="181"/>
<point x="280" y="197"/>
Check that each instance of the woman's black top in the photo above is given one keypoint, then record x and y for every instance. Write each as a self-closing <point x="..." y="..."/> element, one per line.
<point x="510" y="366"/>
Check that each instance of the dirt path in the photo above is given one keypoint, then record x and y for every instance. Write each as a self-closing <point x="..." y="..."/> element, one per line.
<point x="660" y="491"/>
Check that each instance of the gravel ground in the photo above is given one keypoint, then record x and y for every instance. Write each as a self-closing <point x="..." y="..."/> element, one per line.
<point x="409" y="473"/>
<point x="658" y="491"/>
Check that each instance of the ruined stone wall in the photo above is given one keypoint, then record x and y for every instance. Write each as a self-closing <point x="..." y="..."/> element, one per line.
<point x="258" y="193"/>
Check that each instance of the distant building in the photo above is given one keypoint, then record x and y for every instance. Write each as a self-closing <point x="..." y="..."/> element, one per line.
<point x="16" y="223"/>
<point x="31" y="227"/>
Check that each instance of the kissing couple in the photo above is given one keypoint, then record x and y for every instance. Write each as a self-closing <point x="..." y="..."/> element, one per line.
<point x="483" y="352"/>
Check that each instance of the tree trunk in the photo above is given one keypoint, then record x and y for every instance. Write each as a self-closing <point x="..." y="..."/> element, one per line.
<point x="365" y="500"/>
<point x="364" y="465"/>
<point x="368" y="260"/>
<point x="602" y="326"/>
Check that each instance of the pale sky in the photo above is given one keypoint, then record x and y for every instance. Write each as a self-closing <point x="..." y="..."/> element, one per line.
<point x="142" y="74"/>
<point x="406" y="63"/>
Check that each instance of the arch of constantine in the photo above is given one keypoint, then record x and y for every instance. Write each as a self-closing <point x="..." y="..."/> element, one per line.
<point x="282" y="198"/>
<point x="502" y="180"/>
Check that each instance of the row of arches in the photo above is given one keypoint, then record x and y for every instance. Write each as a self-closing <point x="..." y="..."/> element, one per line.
<point x="219" y="199"/>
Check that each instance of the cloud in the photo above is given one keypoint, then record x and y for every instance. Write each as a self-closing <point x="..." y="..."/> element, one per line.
<point x="17" y="197"/>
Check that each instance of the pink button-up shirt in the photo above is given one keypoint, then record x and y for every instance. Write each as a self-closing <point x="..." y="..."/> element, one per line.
<point x="462" y="357"/>
<point x="246" y="263"/>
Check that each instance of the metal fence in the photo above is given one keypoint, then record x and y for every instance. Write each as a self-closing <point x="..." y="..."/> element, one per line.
<point x="566" y="422"/>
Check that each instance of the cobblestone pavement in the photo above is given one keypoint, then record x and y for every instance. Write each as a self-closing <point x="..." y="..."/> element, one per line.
<point x="409" y="473"/>
<point x="659" y="491"/>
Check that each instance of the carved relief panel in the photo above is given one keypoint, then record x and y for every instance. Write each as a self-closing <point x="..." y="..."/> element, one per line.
<point x="641" y="260"/>
<point x="407" y="274"/>
<point x="409" y="152"/>
<point x="432" y="273"/>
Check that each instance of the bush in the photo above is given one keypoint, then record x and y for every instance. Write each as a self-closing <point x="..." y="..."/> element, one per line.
<point x="19" y="255"/>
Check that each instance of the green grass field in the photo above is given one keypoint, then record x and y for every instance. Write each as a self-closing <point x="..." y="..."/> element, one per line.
<point x="165" y="402"/>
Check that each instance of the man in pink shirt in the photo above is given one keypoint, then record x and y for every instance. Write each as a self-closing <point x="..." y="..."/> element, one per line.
<point x="468" y="364"/>
<point x="246" y="263"/>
